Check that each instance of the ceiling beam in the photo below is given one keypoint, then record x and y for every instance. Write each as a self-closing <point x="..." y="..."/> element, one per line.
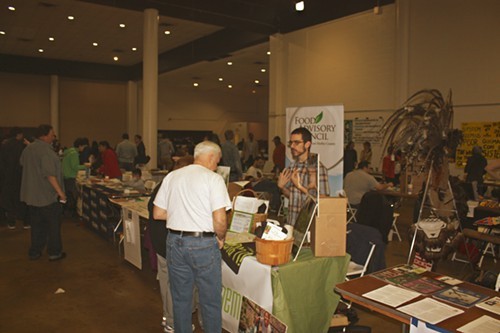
<point x="237" y="14"/>
<point x="215" y="46"/>
<point x="74" y="69"/>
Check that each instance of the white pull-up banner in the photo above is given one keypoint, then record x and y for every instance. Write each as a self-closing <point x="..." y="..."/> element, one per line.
<point x="326" y="124"/>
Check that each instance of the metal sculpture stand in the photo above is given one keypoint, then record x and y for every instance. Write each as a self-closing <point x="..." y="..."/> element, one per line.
<point x="426" y="197"/>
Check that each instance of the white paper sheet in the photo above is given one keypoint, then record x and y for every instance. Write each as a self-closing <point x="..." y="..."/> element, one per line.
<point x="492" y="305"/>
<point x="430" y="310"/>
<point x="391" y="295"/>
<point x="246" y="204"/>
<point x="484" y="324"/>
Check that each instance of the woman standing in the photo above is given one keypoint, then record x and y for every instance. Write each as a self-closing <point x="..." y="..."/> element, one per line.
<point x="366" y="153"/>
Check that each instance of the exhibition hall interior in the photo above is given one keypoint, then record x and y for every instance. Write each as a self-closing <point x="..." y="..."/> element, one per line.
<point x="322" y="165"/>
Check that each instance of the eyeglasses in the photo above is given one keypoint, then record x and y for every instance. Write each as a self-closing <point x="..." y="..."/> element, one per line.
<point x="295" y="143"/>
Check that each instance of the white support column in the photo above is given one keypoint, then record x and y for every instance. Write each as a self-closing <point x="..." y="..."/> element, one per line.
<point x="402" y="80"/>
<point x="150" y="85"/>
<point x="277" y="88"/>
<point x="54" y="104"/>
<point x="133" y="126"/>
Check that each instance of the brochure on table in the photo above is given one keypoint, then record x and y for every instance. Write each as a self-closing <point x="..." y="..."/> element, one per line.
<point x="391" y="295"/>
<point x="492" y="305"/>
<point x="430" y="310"/>
<point x="244" y="209"/>
<point x="483" y="324"/>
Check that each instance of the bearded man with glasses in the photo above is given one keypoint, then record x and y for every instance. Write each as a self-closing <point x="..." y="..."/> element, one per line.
<point x="299" y="180"/>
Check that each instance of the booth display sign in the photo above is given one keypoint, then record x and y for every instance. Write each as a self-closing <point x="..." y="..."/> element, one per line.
<point x="485" y="135"/>
<point x="367" y="129"/>
<point x="326" y="124"/>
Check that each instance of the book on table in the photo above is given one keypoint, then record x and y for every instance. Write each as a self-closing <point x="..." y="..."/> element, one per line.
<point x="425" y="285"/>
<point x="399" y="274"/>
<point x="460" y="296"/>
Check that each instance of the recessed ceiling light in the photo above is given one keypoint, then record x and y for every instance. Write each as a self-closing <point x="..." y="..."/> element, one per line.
<point x="51" y="39"/>
<point x="134" y="49"/>
<point x="12" y="8"/>
<point x="268" y="52"/>
<point x="221" y="79"/>
<point x="71" y="18"/>
<point x="122" y="25"/>
<point x="115" y="58"/>
<point x="40" y="50"/>
<point x="230" y="86"/>
<point x="256" y="81"/>
<point x="196" y="84"/>
<point x="2" y="32"/>
<point x="263" y="70"/>
<point x="167" y="32"/>
<point x="229" y="63"/>
<point x="299" y="6"/>
<point x="95" y="44"/>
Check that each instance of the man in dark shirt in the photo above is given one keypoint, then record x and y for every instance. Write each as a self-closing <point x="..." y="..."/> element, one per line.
<point x="231" y="157"/>
<point x="43" y="191"/>
<point x="474" y="171"/>
<point x="278" y="155"/>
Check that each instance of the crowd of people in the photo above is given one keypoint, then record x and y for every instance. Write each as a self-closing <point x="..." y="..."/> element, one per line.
<point x="188" y="220"/>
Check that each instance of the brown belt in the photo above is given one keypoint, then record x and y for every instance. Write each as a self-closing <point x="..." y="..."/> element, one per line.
<point x="192" y="233"/>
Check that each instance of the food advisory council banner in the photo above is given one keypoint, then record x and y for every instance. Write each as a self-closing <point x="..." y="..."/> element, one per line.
<point x="326" y="123"/>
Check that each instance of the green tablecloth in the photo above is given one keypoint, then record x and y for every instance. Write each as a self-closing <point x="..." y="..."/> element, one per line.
<point x="303" y="291"/>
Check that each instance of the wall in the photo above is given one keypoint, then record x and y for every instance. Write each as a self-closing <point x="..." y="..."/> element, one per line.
<point x="366" y="61"/>
<point x="198" y="109"/>
<point x="24" y="100"/>
<point x="96" y="110"/>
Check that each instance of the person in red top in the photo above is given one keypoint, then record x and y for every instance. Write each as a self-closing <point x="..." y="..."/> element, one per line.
<point x="109" y="165"/>
<point x="278" y="155"/>
<point x="388" y="166"/>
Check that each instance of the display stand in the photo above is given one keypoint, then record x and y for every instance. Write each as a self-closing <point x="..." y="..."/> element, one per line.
<point x="427" y="203"/>
<point x="306" y="231"/>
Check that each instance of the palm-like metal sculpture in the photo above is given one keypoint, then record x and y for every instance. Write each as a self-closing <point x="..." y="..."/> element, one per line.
<point x="422" y="130"/>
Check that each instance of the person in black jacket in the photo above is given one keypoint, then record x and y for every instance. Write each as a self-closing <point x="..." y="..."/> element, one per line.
<point x="376" y="211"/>
<point x="11" y="179"/>
<point x="474" y="171"/>
<point x="141" y="157"/>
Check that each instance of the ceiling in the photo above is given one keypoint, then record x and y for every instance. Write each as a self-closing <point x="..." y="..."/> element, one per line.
<point x="204" y="36"/>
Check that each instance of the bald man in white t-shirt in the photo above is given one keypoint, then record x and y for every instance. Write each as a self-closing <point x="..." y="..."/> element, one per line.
<point x="194" y="200"/>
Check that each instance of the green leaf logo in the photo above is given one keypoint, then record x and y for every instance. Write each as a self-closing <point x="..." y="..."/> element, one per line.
<point x="318" y="118"/>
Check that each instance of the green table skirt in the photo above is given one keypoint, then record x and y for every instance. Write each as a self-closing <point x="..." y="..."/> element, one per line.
<point x="303" y="291"/>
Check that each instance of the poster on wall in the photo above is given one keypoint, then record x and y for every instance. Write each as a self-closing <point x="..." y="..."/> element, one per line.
<point x="326" y="124"/>
<point x="485" y="135"/>
<point x="367" y="129"/>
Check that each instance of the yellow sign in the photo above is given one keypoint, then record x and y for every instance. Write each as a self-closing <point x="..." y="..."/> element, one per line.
<point x="484" y="135"/>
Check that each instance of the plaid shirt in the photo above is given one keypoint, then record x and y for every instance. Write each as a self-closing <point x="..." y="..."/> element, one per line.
<point x="297" y="197"/>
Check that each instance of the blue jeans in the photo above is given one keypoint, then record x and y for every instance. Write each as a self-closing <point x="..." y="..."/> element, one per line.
<point x="195" y="260"/>
<point x="45" y="229"/>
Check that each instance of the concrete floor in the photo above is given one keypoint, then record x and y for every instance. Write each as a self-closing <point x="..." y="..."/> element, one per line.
<point x="104" y="293"/>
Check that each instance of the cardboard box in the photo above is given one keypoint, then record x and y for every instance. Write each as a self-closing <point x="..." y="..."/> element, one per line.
<point x="339" y="320"/>
<point x="328" y="232"/>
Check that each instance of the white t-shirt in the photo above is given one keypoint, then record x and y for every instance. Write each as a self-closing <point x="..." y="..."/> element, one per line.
<point x="190" y="195"/>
